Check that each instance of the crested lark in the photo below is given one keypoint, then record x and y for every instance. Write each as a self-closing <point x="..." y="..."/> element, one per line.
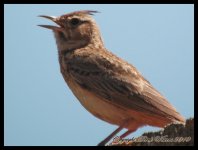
<point x="106" y="85"/>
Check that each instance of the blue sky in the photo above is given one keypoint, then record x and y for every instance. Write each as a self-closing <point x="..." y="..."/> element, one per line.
<point x="39" y="107"/>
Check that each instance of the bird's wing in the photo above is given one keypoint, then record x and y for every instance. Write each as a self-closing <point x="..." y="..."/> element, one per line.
<point x="119" y="82"/>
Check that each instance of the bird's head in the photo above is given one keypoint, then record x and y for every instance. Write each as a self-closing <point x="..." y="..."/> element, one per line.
<point x="74" y="30"/>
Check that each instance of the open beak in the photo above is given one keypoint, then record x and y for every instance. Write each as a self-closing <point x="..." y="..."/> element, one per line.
<point x="54" y="19"/>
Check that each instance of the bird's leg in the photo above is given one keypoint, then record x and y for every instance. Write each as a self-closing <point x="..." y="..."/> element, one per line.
<point x="107" y="139"/>
<point x="126" y="133"/>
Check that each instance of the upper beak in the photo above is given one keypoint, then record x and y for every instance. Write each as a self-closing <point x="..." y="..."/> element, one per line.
<point x="54" y="19"/>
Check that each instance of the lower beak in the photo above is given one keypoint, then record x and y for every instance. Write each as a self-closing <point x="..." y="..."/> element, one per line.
<point x="54" y="19"/>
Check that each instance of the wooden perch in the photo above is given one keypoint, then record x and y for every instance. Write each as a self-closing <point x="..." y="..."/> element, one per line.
<point x="171" y="135"/>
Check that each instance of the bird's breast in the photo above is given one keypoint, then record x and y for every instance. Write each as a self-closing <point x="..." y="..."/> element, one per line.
<point x="97" y="106"/>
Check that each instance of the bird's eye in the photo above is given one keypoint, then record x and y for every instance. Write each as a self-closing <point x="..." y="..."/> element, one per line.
<point x="74" y="21"/>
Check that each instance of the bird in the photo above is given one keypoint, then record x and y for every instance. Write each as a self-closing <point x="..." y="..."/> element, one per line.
<point x="106" y="85"/>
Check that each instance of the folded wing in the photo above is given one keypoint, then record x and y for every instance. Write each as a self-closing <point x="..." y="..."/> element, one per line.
<point x="120" y="83"/>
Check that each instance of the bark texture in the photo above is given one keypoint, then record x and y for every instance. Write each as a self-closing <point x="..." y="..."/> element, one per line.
<point x="171" y="135"/>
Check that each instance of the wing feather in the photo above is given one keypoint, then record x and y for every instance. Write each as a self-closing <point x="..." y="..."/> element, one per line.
<point x="120" y="82"/>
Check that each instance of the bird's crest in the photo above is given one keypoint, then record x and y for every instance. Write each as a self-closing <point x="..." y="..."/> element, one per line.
<point x="88" y="12"/>
<point x="82" y="12"/>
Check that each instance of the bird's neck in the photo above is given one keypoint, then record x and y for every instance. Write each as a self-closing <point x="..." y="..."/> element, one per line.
<point x="94" y="42"/>
<point x="96" y="39"/>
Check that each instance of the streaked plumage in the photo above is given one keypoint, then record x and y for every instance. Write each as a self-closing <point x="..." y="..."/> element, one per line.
<point x="107" y="86"/>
